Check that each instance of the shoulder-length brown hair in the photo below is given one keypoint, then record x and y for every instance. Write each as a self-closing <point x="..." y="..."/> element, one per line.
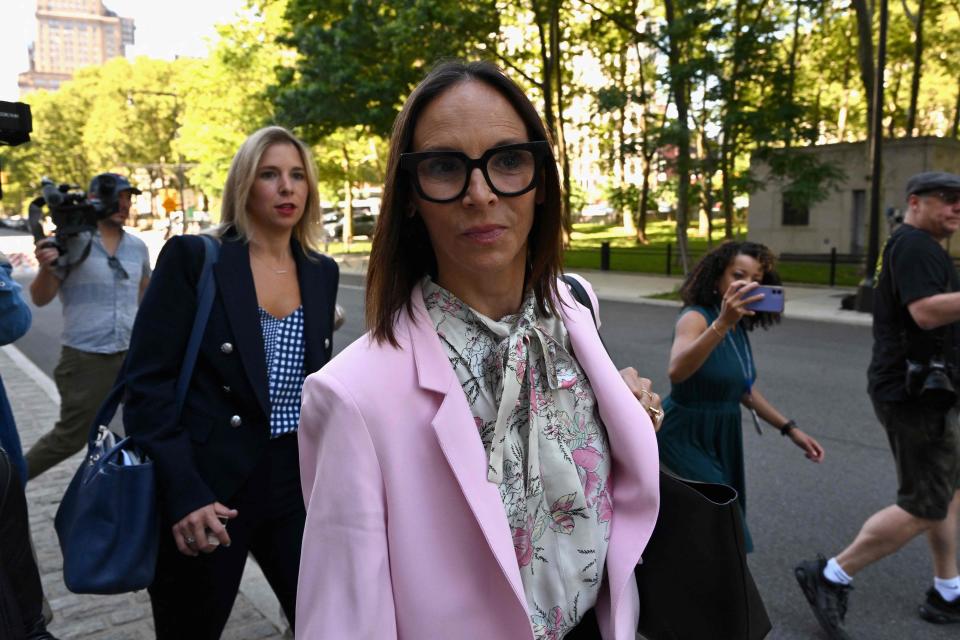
<point x="243" y="171"/>
<point x="402" y="254"/>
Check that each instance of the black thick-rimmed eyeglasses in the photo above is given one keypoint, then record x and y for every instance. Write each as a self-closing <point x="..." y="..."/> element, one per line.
<point x="444" y="176"/>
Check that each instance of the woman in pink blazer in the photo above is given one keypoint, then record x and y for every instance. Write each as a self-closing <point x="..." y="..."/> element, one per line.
<point x="475" y="467"/>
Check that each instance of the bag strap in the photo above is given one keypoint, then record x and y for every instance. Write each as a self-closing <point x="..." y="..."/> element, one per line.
<point x="5" y="465"/>
<point x="580" y="295"/>
<point x="206" y="292"/>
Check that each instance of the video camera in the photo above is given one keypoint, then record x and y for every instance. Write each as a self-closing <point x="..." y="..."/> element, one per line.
<point x="75" y="214"/>
<point x="16" y="123"/>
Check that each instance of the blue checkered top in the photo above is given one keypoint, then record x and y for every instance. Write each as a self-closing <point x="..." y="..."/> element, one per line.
<point x="283" y="346"/>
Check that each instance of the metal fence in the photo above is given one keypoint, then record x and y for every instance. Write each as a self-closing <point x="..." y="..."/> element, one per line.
<point x="664" y="258"/>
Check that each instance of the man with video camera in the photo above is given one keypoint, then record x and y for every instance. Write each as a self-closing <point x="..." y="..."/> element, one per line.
<point x="912" y="382"/>
<point x="100" y="295"/>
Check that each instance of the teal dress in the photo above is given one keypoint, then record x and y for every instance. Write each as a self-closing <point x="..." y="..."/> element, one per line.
<point x="702" y="436"/>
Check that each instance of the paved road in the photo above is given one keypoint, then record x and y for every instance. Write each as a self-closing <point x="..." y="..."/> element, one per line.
<point x="814" y="372"/>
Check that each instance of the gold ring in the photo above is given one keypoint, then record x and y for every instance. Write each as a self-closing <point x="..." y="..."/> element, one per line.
<point x="656" y="415"/>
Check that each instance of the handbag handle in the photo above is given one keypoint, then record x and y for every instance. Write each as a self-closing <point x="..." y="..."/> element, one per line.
<point x="206" y="292"/>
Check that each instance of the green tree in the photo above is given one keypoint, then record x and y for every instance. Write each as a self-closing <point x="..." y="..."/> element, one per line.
<point x="225" y="95"/>
<point x="357" y="61"/>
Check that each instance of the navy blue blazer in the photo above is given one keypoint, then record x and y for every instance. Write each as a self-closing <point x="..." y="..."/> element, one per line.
<point x="209" y="453"/>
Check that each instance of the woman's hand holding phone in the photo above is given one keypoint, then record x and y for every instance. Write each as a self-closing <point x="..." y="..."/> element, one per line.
<point x="735" y="303"/>
<point x="203" y="530"/>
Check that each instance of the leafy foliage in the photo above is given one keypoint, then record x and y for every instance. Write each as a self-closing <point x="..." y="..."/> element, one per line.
<point x="359" y="59"/>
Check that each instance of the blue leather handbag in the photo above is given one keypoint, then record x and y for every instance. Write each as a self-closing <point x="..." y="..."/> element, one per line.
<point x="108" y="521"/>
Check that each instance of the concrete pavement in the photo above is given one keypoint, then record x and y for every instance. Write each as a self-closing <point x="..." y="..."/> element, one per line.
<point x="35" y="403"/>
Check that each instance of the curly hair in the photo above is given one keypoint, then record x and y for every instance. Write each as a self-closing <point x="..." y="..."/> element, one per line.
<point x="700" y="286"/>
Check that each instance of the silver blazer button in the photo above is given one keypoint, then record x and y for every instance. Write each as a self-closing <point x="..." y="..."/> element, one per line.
<point x="227" y="348"/>
<point x="326" y="343"/>
<point x="235" y="421"/>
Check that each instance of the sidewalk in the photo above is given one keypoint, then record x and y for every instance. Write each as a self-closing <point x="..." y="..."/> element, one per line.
<point x="35" y="403"/>
<point x="803" y="302"/>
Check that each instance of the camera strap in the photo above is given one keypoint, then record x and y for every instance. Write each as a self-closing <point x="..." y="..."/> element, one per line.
<point x="937" y="335"/>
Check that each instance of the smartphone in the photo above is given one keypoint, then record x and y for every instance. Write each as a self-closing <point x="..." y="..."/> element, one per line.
<point x="212" y="539"/>
<point x="772" y="301"/>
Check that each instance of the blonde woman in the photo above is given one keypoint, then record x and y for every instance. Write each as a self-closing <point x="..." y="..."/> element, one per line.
<point x="228" y="468"/>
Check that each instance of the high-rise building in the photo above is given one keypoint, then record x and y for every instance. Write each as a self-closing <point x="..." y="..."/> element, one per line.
<point x="72" y="34"/>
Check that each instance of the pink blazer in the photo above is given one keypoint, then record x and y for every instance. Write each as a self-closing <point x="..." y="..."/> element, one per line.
<point x="405" y="538"/>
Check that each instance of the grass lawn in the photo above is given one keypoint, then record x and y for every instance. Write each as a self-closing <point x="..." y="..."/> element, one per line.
<point x="627" y="255"/>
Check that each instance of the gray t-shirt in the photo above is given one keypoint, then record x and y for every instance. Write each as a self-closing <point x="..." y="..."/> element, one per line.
<point x="100" y="295"/>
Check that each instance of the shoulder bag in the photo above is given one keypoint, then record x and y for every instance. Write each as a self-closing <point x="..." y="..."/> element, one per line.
<point x="693" y="580"/>
<point x="108" y="523"/>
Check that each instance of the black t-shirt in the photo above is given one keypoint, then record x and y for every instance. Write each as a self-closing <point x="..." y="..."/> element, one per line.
<point x="913" y="266"/>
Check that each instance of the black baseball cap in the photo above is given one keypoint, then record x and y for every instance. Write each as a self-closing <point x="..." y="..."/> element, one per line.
<point x="113" y="182"/>
<point x="932" y="181"/>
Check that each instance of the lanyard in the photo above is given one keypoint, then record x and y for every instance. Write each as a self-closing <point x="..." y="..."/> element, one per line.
<point x="746" y="368"/>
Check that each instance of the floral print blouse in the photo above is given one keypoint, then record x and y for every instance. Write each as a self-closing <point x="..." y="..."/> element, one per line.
<point x="546" y="449"/>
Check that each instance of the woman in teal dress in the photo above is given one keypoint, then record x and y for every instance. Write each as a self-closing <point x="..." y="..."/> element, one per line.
<point x="712" y="372"/>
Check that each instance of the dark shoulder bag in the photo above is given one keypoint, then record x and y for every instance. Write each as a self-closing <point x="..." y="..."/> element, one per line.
<point x="108" y="523"/>
<point x="693" y="580"/>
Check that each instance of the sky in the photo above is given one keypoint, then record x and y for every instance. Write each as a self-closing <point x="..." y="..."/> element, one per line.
<point x="164" y="29"/>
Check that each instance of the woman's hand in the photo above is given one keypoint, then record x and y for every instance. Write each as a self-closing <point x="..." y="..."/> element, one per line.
<point x="642" y="389"/>
<point x="191" y="533"/>
<point x="811" y="448"/>
<point x="734" y="306"/>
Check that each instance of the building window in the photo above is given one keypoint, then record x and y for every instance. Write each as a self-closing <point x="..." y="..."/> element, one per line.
<point x="795" y="215"/>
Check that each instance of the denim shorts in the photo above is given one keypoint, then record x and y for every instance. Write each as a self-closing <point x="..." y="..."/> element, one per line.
<point x="926" y="447"/>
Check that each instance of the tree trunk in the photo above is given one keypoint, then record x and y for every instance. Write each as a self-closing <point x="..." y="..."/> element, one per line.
<point x="728" y="143"/>
<point x="644" y="200"/>
<point x="792" y="69"/>
<point x="678" y="85"/>
<point x="865" y="52"/>
<point x="546" y="84"/>
<point x="348" y="197"/>
<point x="894" y="99"/>
<point x="555" y="36"/>
<point x="626" y="214"/>
<point x="917" y="68"/>
<point x="956" y="114"/>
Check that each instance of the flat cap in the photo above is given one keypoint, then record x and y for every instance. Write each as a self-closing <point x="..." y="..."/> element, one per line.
<point x="931" y="181"/>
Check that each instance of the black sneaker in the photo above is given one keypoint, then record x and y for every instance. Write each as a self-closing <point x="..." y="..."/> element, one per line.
<point x="828" y="600"/>
<point x="937" y="610"/>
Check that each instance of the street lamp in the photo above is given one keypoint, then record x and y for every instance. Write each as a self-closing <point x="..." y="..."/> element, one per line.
<point x="176" y="114"/>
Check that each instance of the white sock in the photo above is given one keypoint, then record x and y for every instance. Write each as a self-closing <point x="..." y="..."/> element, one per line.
<point x="949" y="590"/>
<point x="835" y="573"/>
